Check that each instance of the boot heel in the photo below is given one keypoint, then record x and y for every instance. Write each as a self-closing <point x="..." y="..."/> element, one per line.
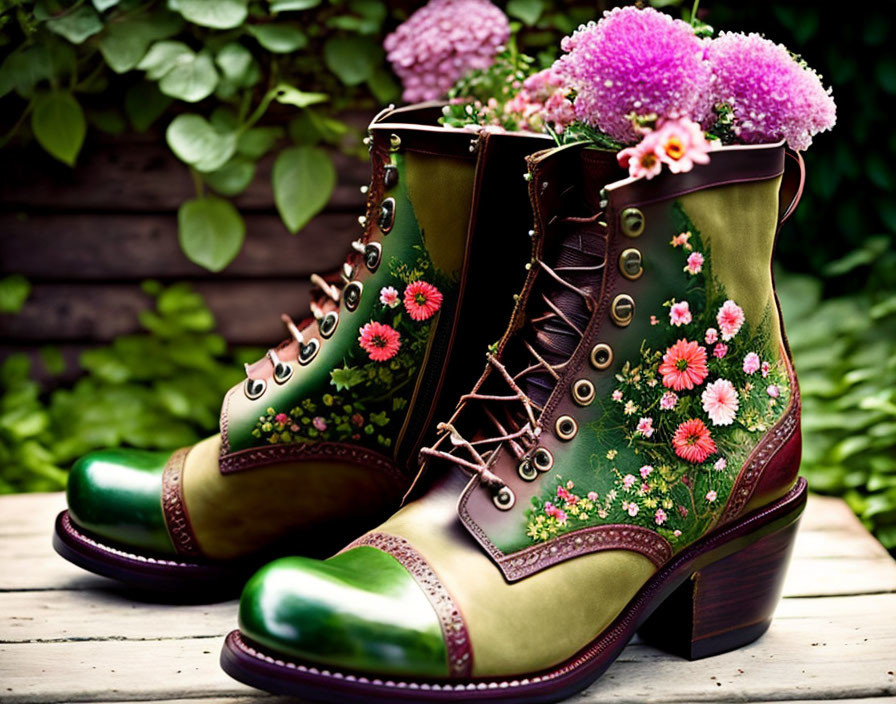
<point x="725" y="605"/>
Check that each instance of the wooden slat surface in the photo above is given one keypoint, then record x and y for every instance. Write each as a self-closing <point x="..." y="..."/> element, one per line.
<point x="66" y="635"/>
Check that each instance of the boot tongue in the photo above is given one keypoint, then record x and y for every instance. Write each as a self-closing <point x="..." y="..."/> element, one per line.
<point x="571" y="244"/>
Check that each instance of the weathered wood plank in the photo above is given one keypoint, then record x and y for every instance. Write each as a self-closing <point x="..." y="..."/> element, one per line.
<point x="138" y="175"/>
<point x="817" y="657"/>
<point x="247" y="313"/>
<point x="134" y="247"/>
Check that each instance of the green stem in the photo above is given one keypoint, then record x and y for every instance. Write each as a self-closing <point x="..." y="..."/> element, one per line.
<point x="694" y="12"/>
<point x="259" y="111"/>
<point x="197" y="182"/>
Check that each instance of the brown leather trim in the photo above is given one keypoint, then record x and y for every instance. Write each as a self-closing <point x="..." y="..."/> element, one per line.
<point x="177" y="519"/>
<point x="454" y="630"/>
<point x="319" y="451"/>
<point x="762" y="454"/>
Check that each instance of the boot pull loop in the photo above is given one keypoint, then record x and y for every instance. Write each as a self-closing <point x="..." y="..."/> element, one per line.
<point x="792" y="183"/>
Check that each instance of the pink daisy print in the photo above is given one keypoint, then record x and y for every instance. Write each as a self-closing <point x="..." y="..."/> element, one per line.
<point x="751" y="363"/>
<point x="654" y="320"/>
<point x="381" y="342"/>
<point x="281" y="419"/>
<point x="645" y="427"/>
<point x="592" y="496"/>
<point x="695" y="263"/>
<point x="632" y="509"/>
<point x="773" y="391"/>
<point x="617" y="395"/>
<point x="645" y="471"/>
<point x="720" y="401"/>
<point x="642" y="160"/>
<point x="711" y="496"/>
<point x="692" y="441"/>
<point x="389" y="296"/>
<point x="682" y="240"/>
<point x="628" y="481"/>
<point x="712" y="335"/>
<point x="720" y="464"/>
<point x="680" y="314"/>
<point x="730" y="319"/>
<point x="720" y="350"/>
<point x="668" y="401"/>
<point x="683" y="366"/>
<point x="766" y="368"/>
<point x="422" y="300"/>
<point x="659" y="517"/>
<point x="319" y="423"/>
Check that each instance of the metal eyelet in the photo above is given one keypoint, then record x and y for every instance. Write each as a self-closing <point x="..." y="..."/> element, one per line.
<point x="390" y="176"/>
<point x="527" y="471"/>
<point x="328" y="323"/>
<point x="373" y="254"/>
<point x="566" y="427"/>
<point x="504" y="499"/>
<point x="583" y="392"/>
<point x="394" y="142"/>
<point x="309" y="351"/>
<point x="622" y="310"/>
<point x="542" y="459"/>
<point x="255" y="388"/>
<point x="630" y="264"/>
<point x="386" y="219"/>
<point x="632" y="221"/>
<point x="601" y="355"/>
<point x="352" y="294"/>
<point x="282" y="370"/>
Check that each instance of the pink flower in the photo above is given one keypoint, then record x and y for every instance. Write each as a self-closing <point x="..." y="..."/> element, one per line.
<point x="628" y="481"/>
<point x="617" y="395"/>
<point x="692" y="441"/>
<point x="677" y="533"/>
<point x="681" y="144"/>
<point x="422" y="300"/>
<point x="644" y="159"/>
<point x="645" y="487"/>
<point x="389" y="296"/>
<point x="668" y="401"/>
<point x="560" y="515"/>
<point x="766" y="368"/>
<point x="632" y="509"/>
<point x="682" y="240"/>
<point x="730" y="318"/>
<point x="683" y="366"/>
<point x="711" y="496"/>
<point x="773" y="391"/>
<point x="695" y="263"/>
<point x="751" y="363"/>
<point x="720" y="350"/>
<point x="543" y="98"/>
<point x="566" y="496"/>
<point x="381" y="342"/>
<point x="659" y="517"/>
<point x="592" y="496"/>
<point x="645" y="427"/>
<point x="653" y="320"/>
<point x="441" y="42"/>
<point x="281" y="419"/>
<point x="645" y="471"/>
<point x="319" y="423"/>
<point x="720" y="464"/>
<point x="720" y="401"/>
<point x="680" y="314"/>
<point x="357" y="420"/>
<point x="711" y="336"/>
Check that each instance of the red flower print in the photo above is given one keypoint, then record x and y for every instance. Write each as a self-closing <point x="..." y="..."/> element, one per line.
<point x="381" y="342"/>
<point x="422" y="300"/>
<point x="692" y="441"/>
<point x="684" y="365"/>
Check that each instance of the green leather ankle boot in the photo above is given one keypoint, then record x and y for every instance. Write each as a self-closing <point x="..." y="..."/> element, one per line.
<point x="627" y="462"/>
<point x="323" y="434"/>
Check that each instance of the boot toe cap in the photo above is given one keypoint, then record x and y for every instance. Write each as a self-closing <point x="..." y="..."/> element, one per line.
<point x="360" y="610"/>
<point x="117" y="495"/>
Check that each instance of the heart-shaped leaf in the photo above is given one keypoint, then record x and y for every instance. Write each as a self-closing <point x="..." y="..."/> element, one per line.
<point x="59" y="125"/>
<point x="193" y="139"/>
<point x="303" y="180"/>
<point x="218" y="14"/>
<point x="211" y="231"/>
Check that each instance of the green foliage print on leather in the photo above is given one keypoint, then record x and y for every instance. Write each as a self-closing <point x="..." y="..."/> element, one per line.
<point x="367" y="396"/>
<point x="671" y="437"/>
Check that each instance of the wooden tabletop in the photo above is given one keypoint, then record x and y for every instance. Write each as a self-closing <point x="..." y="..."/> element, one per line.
<point x="69" y="636"/>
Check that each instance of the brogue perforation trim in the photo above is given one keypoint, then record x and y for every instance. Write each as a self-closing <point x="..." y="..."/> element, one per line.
<point x="177" y="519"/>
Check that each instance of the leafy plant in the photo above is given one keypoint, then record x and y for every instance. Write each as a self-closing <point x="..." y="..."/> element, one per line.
<point x="161" y="389"/>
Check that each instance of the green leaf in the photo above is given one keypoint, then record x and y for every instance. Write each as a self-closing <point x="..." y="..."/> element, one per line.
<point x="288" y="95"/>
<point x="258" y="141"/>
<point x="383" y="86"/>
<point x="287" y="5"/>
<point x="346" y="378"/>
<point x="103" y="5"/>
<point x="234" y="61"/>
<point x="217" y="14"/>
<point x="279" y="38"/>
<point x="303" y="179"/>
<point x="14" y="291"/>
<point x="59" y="125"/>
<point x="144" y="104"/>
<point x="191" y="79"/>
<point x="109" y="120"/>
<point x="308" y="127"/>
<point x="352" y="59"/>
<point x="232" y="178"/>
<point x="211" y="231"/>
<point x="197" y="143"/>
<point x="53" y="360"/>
<point x="526" y="10"/>
<point x="124" y="43"/>
<point x="24" y="69"/>
<point x="77" y="24"/>
<point x="162" y="56"/>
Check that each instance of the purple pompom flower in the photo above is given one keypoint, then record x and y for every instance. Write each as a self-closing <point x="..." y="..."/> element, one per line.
<point x="441" y="42"/>
<point x="635" y="61"/>
<point x="773" y="96"/>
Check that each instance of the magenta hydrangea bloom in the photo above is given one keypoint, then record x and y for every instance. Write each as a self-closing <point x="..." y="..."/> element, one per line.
<point x="635" y="61"/>
<point x="441" y="42"/>
<point x="772" y="95"/>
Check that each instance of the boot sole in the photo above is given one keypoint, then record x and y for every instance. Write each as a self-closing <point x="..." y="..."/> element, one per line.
<point x="147" y="572"/>
<point x="716" y="595"/>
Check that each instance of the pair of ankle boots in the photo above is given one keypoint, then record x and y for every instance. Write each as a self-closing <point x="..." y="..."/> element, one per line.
<point x="626" y="462"/>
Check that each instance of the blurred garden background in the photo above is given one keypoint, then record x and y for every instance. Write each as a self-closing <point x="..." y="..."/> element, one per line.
<point x="172" y="172"/>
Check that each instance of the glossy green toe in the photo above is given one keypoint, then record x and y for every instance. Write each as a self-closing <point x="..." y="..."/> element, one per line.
<point x="360" y="610"/>
<point x="117" y="495"/>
